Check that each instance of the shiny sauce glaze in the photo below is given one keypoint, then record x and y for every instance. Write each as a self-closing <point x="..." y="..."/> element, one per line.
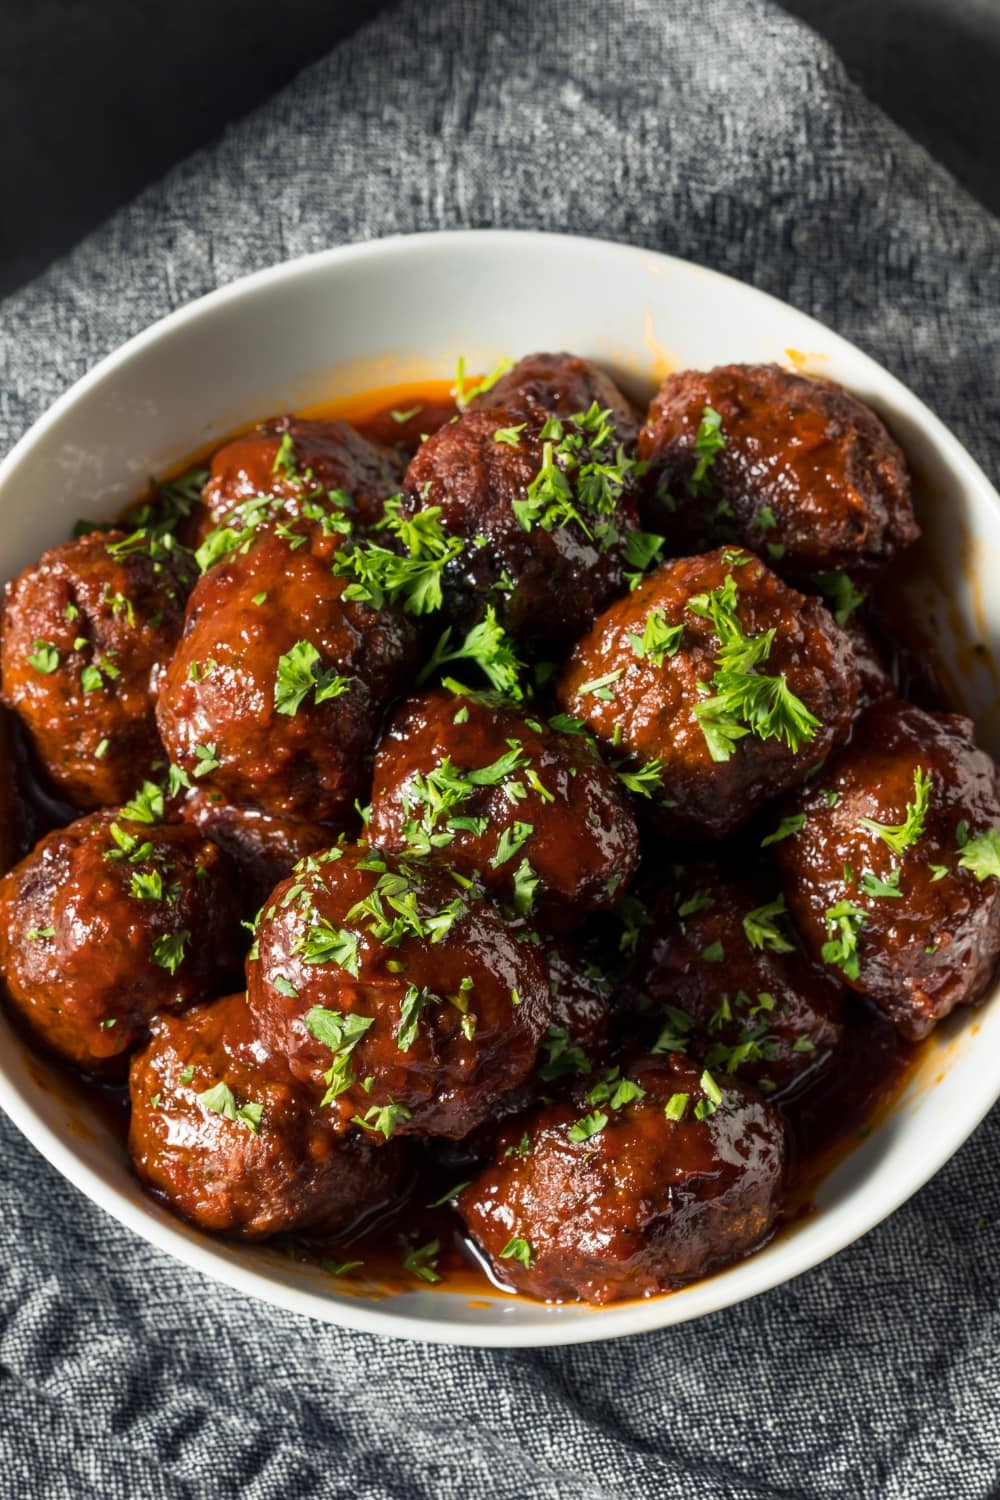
<point x="825" y="1119"/>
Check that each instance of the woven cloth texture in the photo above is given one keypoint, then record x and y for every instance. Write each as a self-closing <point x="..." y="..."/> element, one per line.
<point x="718" y="130"/>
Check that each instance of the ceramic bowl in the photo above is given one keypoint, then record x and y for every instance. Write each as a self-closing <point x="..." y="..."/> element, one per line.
<point x="403" y="309"/>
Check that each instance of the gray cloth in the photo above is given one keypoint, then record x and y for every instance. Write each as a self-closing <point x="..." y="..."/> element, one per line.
<point x="718" y="130"/>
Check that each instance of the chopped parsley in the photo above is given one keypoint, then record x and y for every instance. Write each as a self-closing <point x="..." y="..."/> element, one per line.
<point x="413" y="1004"/>
<point x="709" y="442"/>
<point x="785" y="829"/>
<point x="840" y="594"/>
<point x="587" y="1126"/>
<point x="510" y="842"/>
<point x="422" y="1262"/>
<point x="526" y="885"/>
<point x="562" y="1058"/>
<point x="510" y="435"/>
<point x="981" y="854"/>
<point x="745" y="701"/>
<point x="323" y="943"/>
<point x="297" y="677"/>
<point x="44" y="657"/>
<point x="762" y="930"/>
<point x="658" y="639"/>
<point x="876" y="885"/>
<point x="600" y="687"/>
<point x="169" y="948"/>
<point x="383" y="1119"/>
<point x="340" y="1031"/>
<point x="488" y="645"/>
<point x="221" y="1100"/>
<point x="146" y="806"/>
<point x="409" y="575"/>
<point x="519" y="1250"/>
<point x="450" y="1195"/>
<point x="645" y="781"/>
<point x="844" y="922"/>
<point x="641" y="549"/>
<point x="207" y="760"/>
<point x="583" y="473"/>
<point x="466" y="391"/>
<point x="901" y="836"/>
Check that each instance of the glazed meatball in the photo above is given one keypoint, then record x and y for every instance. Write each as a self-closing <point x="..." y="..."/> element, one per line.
<point x="264" y="849"/>
<point x="536" y="814"/>
<point x="410" y="1000"/>
<point x="797" y="468"/>
<point x="276" y="692"/>
<point x="719" y="684"/>
<point x="295" y="461"/>
<point x="110" y="920"/>
<point x="562" y="385"/>
<point x="891" y="864"/>
<point x="544" y="522"/>
<point x="222" y="1132"/>
<point x="728" y="981"/>
<point x="86" y="632"/>
<point x="655" y="1175"/>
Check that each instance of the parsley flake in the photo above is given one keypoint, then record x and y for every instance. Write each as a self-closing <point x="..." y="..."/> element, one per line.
<point x="900" y="836"/>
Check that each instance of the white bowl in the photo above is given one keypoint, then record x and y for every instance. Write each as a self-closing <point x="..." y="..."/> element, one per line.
<point x="367" y="315"/>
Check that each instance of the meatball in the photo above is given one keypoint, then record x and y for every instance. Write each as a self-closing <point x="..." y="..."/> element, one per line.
<point x="535" y="813"/>
<point x="891" y="864"/>
<point x="264" y="849"/>
<point x="85" y="634"/>
<point x="544" y="521"/>
<point x="409" y="998"/>
<point x="797" y="467"/>
<point x="222" y="1132"/>
<point x="719" y="684"/>
<point x="276" y="692"/>
<point x="294" y="462"/>
<point x="110" y="920"/>
<point x="562" y="385"/>
<point x="729" y="982"/>
<point x="657" y="1173"/>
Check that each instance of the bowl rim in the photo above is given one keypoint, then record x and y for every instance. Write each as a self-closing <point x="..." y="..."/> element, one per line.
<point x="208" y="1256"/>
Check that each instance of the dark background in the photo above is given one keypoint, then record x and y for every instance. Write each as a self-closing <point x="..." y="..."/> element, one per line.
<point x="99" y="97"/>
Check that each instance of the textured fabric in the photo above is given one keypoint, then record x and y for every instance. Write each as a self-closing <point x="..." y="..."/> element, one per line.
<point x="722" y="131"/>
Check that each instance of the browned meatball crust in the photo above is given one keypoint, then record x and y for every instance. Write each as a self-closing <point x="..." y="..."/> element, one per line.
<point x="891" y="859"/>
<point x="655" y="1175"/>
<point x="264" y="848"/>
<point x="499" y="794"/>
<point x="719" y="684"/>
<point x="410" y="1000"/>
<point x="540" y="385"/>
<point x="277" y="690"/>
<point x="296" y="461"/>
<point x="110" y="920"/>
<point x="222" y="1132"/>
<point x="544" y="541"/>
<point x="805" y="471"/>
<point x="86" y="632"/>
<point x="725" y="974"/>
